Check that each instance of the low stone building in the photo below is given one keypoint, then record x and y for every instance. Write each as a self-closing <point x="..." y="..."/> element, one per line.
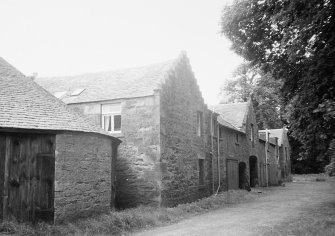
<point x="54" y="164"/>
<point x="239" y="144"/>
<point x="159" y="114"/>
<point x="284" y="151"/>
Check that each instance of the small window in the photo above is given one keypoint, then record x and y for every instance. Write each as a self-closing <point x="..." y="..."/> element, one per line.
<point x="237" y="138"/>
<point x="214" y="128"/>
<point x="201" y="171"/>
<point x="252" y="135"/>
<point x="199" y="123"/>
<point x="111" y="117"/>
<point x="220" y="133"/>
<point x="77" y="92"/>
<point x="59" y="94"/>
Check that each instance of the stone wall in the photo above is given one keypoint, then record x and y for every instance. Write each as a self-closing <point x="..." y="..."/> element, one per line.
<point x="233" y="145"/>
<point x="83" y="175"/>
<point x="138" y="163"/>
<point x="262" y="164"/>
<point x="250" y="120"/>
<point x="184" y="153"/>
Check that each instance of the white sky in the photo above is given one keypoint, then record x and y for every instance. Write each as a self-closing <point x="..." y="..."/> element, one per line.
<point x="63" y="37"/>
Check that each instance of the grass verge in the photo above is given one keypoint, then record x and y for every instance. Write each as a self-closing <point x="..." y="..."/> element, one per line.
<point x="130" y="220"/>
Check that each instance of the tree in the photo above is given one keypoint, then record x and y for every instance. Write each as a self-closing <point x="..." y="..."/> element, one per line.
<point x="294" y="42"/>
<point x="249" y="82"/>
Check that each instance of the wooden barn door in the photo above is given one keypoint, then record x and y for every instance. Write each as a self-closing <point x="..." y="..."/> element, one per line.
<point x="272" y="172"/>
<point x="44" y="195"/>
<point x="2" y="170"/>
<point x="232" y="174"/>
<point x="28" y="184"/>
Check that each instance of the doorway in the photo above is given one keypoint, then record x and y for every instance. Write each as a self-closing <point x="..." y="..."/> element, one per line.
<point x="241" y="174"/>
<point x="253" y="171"/>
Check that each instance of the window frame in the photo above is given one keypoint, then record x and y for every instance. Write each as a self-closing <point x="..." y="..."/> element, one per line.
<point x="112" y="118"/>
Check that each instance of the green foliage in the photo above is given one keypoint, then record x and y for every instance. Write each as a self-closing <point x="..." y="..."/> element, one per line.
<point x="126" y="221"/>
<point x="250" y="82"/>
<point x="294" y="42"/>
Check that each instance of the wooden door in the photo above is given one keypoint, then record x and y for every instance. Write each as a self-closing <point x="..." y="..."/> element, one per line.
<point x="2" y="169"/>
<point x="232" y="174"/>
<point x="44" y="196"/>
<point x="28" y="176"/>
<point x="272" y="172"/>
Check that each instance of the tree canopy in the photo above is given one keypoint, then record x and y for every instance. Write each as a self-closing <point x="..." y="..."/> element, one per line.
<point x="293" y="41"/>
<point x="249" y="82"/>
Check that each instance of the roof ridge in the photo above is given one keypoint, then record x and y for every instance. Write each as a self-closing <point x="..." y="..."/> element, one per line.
<point x="110" y="85"/>
<point x="110" y="71"/>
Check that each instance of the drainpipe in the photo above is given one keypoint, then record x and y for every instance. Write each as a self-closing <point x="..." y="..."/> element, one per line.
<point x="266" y="157"/>
<point x="212" y="151"/>
<point x="219" y="175"/>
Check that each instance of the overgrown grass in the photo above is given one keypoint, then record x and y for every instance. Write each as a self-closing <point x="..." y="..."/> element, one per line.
<point x="126" y="221"/>
<point x="310" y="177"/>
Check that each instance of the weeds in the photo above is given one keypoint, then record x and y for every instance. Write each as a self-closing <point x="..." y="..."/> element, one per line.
<point x="129" y="220"/>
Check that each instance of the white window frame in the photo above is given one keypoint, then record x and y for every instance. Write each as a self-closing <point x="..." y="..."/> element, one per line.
<point x="112" y="115"/>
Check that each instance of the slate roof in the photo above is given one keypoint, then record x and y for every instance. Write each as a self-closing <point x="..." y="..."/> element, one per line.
<point x="232" y="114"/>
<point x="127" y="83"/>
<point x="26" y="105"/>
<point x="278" y="133"/>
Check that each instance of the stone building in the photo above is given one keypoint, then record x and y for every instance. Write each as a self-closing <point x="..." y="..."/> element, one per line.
<point x="174" y="149"/>
<point x="284" y="150"/>
<point x="54" y="164"/>
<point x="159" y="114"/>
<point x="239" y="145"/>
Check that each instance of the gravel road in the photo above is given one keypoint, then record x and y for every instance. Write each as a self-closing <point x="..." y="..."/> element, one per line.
<point x="299" y="208"/>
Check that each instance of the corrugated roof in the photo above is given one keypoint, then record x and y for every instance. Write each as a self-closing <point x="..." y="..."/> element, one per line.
<point x="26" y="105"/>
<point x="232" y="113"/>
<point x="127" y="83"/>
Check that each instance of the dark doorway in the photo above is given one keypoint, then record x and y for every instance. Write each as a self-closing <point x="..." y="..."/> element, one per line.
<point x="241" y="174"/>
<point x="253" y="171"/>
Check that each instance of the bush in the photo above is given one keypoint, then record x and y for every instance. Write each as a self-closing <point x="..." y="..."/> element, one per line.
<point x="330" y="169"/>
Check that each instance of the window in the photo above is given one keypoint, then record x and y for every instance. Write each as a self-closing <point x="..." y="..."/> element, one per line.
<point x="220" y="133"/>
<point x="59" y="94"/>
<point x="252" y="135"/>
<point x="201" y="171"/>
<point x="214" y="128"/>
<point x="237" y="138"/>
<point x="111" y="117"/>
<point x="77" y="92"/>
<point x="199" y="123"/>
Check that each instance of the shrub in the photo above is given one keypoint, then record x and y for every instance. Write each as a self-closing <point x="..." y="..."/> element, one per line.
<point x="330" y="169"/>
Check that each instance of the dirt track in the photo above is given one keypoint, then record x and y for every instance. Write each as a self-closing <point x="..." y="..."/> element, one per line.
<point x="299" y="208"/>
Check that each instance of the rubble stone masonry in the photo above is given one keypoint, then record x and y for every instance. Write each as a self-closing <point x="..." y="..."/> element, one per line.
<point x="185" y="154"/>
<point x="83" y="175"/>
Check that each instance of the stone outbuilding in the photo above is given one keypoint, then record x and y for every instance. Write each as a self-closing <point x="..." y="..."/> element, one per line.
<point x="284" y="150"/>
<point x="174" y="149"/>
<point x="238" y="142"/>
<point x="54" y="164"/>
<point x="159" y="114"/>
